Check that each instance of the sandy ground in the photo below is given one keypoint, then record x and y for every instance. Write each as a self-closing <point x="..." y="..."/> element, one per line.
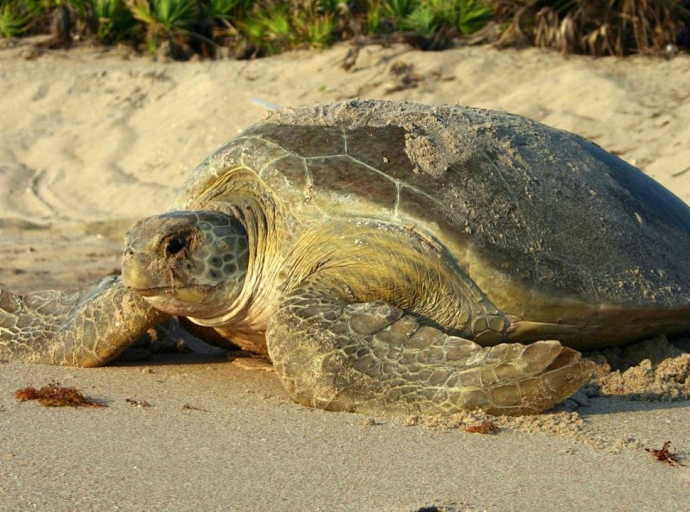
<point x="91" y="140"/>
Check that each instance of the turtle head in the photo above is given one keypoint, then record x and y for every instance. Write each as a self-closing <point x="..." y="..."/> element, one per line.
<point x="188" y="263"/>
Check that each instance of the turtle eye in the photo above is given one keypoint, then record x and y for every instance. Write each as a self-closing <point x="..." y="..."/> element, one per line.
<point x="175" y="245"/>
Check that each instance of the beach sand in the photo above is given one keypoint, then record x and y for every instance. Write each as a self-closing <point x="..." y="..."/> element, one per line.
<point x="92" y="140"/>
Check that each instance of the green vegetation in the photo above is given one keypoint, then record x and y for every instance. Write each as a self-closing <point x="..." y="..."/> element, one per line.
<point x="114" y="21"/>
<point x="166" y="21"/>
<point x="430" y="16"/>
<point x="255" y="28"/>
<point x="15" y="18"/>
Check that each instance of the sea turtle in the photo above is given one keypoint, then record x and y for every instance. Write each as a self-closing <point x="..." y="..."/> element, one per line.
<point x="393" y="257"/>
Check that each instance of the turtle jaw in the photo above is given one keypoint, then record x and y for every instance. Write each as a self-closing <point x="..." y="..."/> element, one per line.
<point x="173" y="298"/>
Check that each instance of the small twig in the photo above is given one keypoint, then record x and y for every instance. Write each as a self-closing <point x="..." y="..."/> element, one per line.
<point x="137" y="403"/>
<point x="193" y="408"/>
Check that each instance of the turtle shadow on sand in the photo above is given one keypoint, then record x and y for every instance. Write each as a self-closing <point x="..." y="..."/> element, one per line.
<point x="653" y="374"/>
<point x="170" y="344"/>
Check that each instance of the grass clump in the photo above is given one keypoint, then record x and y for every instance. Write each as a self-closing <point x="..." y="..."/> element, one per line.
<point x="465" y="16"/>
<point x="166" y="22"/>
<point x="595" y="27"/>
<point x="114" y="21"/>
<point x="16" y="17"/>
<point x="426" y="16"/>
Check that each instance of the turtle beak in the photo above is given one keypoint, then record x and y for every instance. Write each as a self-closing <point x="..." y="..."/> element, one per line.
<point x="144" y="269"/>
<point x="135" y="274"/>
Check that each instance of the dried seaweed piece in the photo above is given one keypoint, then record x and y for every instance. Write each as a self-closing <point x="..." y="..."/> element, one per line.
<point x="488" y="428"/>
<point x="55" y="395"/>
<point x="664" y="455"/>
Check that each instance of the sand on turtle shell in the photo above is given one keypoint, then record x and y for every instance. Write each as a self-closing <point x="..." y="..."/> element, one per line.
<point x="435" y="137"/>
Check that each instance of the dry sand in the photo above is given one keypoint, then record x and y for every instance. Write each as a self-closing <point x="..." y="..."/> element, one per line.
<point x="91" y="140"/>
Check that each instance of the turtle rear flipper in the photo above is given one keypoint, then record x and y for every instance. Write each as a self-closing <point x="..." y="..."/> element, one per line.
<point x="88" y="327"/>
<point x="370" y="358"/>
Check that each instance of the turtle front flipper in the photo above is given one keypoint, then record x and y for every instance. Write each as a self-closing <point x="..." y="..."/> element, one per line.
<point x="371" y="358"/>
<point x="88" y="327"/>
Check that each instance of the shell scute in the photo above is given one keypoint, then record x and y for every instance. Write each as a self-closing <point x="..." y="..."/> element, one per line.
<point x="346" y="187"/>
<point x="307" y="142"/>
